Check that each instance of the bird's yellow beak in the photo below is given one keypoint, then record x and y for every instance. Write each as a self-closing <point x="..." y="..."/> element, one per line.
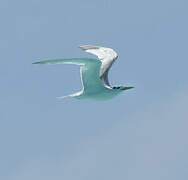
<point x="129" y="87"/>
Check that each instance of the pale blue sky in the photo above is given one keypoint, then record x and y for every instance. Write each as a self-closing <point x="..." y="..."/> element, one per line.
<point x="141" y="134"/>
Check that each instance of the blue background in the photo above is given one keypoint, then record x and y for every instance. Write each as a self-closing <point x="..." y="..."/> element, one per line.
<point x="142" y="134"/>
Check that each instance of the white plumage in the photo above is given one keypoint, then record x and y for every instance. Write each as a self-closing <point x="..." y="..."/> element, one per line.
<point x="94" y="73"/>
<point x="107" y="57"/>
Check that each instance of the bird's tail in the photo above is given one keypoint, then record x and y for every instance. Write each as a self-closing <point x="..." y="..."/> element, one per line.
<point x="71" y="95"/>
<point x="63" y="97"/>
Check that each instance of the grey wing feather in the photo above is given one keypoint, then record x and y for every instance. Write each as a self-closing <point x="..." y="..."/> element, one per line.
<point x="90" y="71"/>
<point x="107" y="57"/>
<point x="77" y="61"/>
<point x="105" y="80"/>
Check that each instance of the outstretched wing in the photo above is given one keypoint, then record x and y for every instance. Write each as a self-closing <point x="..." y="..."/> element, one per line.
<point x="89" y="71"/>
<point x="107" y="57"/>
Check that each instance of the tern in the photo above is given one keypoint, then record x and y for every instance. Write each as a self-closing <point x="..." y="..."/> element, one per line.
<point x="94" y="73"/>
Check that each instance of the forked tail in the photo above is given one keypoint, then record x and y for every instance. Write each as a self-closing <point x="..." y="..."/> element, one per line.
<point x="71" y="95"/>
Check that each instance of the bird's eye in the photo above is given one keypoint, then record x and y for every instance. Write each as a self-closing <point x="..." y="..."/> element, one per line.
<point x="116" y="87"/>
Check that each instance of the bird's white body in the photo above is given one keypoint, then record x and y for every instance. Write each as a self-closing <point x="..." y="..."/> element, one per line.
<point x="94" y="73"/>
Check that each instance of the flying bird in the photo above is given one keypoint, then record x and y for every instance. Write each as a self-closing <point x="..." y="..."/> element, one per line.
<point x="94" y="73"/>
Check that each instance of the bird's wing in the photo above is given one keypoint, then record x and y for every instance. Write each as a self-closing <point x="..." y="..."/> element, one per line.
<point x="89" y="71"/>
<point x="107" y="57"/>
